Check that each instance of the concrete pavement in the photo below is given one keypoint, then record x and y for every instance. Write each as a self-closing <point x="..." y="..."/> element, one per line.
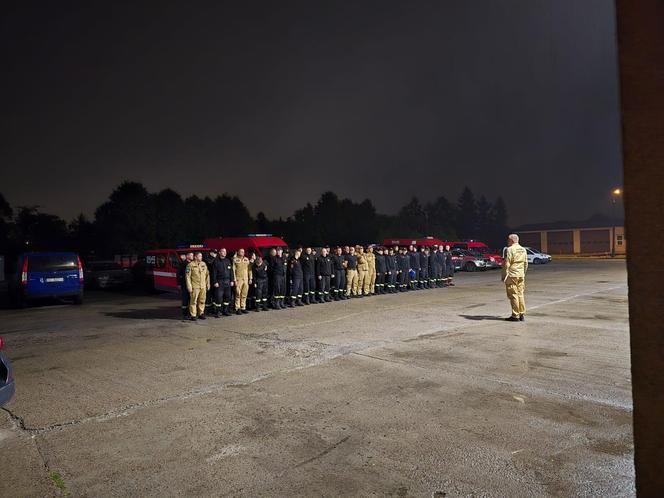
<point x="427" y="393"/>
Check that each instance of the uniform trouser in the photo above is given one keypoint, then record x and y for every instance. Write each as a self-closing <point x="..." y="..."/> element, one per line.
<point x="449" y="271"/>
<point x="222" y="295"/>
<point x="391" y="281"/>
<point x="372" y="281"/>
<point x="309" y="286"/>
<point x="184" y="296"/>
<point x="380" y="282"/>
<point x="362" y="282"/>
<point x="339" y="283"/>
<point x="415" y="280"/>
<point x="241" y="291"/>
<point x="197" y="302"/>
<point x="515" y="287"/>
<point x="278" y="288"/>
<point x="324" y="287"/>
<point x="351" y="282"/>
<point x="296" y="288"/>
<point x="424" y="277"/>
<point x="260" y="291"/>
<point x="208" y="301"/>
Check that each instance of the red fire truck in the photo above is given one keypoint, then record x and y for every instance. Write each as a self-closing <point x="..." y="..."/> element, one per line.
<point x="258" y="243"/>
<point x="161" y="265"/>
<point x="426" y="241"/>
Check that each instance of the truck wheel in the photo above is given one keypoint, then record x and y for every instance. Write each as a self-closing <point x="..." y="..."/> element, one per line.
<point x="470" y="267"/>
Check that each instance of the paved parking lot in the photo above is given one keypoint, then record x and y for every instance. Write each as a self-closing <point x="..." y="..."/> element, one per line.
<point x="419" y="394"/>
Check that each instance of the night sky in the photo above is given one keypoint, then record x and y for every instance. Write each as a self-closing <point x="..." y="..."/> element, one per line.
<point x="277" y="102"/>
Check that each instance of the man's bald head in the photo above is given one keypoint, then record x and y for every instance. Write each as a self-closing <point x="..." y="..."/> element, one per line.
<point x="512" y="239"/>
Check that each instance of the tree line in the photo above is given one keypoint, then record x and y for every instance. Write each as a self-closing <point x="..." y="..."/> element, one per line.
<point x="133" y="219"/>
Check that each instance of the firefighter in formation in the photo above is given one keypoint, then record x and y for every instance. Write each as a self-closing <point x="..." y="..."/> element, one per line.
<point x="219" y="285"/>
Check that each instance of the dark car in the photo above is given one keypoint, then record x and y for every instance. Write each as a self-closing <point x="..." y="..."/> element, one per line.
<point x="467" y="261"/>
<point x="6" y="378"/>
<point x="42" y="275"/>
<point x="106" y="275"/>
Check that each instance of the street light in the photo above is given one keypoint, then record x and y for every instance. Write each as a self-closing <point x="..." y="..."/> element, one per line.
<point x="615" y="194"/>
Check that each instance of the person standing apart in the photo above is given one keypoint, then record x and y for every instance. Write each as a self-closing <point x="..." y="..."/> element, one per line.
<point x="198" y="283"/>
<point x="515" y="266"/>
<point x="243" y="278"/>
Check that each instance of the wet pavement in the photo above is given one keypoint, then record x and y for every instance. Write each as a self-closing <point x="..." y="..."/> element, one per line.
<point x="426" y="394"/>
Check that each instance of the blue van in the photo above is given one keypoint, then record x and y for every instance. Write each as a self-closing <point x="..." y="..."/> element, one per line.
<point x="48" y="274"/>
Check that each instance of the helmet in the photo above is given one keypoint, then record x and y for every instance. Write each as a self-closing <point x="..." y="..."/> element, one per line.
<point x="411" y="273"/>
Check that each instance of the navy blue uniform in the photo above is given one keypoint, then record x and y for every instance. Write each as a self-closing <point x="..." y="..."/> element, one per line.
<point x="308" y="277"/>
<point x="339" y="285"/>
<point x="295" y="282"/>
<point x="221" y="273"/>
<point x="324" y="274"/>
<point x="259" y="277"/>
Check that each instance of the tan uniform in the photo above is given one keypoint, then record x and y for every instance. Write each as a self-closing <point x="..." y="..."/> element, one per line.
<point x="514" y="275"/>
<point x="362" y="274"/>
<point x="371" y="278"/>
<point x="197" y="277"/>
<point x="242" y="272"/>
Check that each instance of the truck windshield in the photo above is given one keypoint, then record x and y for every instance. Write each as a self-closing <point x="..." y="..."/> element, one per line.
<point x="52" y="263"/>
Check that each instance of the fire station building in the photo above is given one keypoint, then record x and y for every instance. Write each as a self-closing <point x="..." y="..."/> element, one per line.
<point x="597" y="235"/>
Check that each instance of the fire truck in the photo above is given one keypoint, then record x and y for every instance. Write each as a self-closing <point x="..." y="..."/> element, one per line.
<point x="161" y="265"/>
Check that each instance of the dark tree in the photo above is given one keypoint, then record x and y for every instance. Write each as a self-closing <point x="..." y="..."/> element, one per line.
<point x="35" y="231"/>
<point x="83" y="236"/>
<point x="484" y="222"/>
<point x="499" y="227"/>
<point x="466" y="215"/>
<point x="412" y="219"/>
<point x="126" y="223"/>
<point x="170" y="228"/>
<point x="441" y="217"/>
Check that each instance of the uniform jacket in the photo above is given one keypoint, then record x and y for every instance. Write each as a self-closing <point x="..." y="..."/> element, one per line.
<point x="197" y="275"/>
<point x="307" y="261"/>
<point x="351" y="261"/>
<point x="516" y="262"/>
<point x="404" y="262"/>
<point x="259" y="272"/>
<point x="241" y="268"/>
<point x="295" y="268"/>
<point x="182" y="273"/>
<point x="424" y="261"/>
<point x="390" y="263"/>
<point x="222" y="271"/>
<point x="414" y="260"/>
<point x="371" y="261"/>
<point x="380" y="263"/>
<point x="362" y="263"/>
<point x="323" y="266"/>
<point x="277" y="266"/>
<point x="338" y="262"/>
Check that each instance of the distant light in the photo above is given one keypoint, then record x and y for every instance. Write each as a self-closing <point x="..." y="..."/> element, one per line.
<point x="616" y="191"/>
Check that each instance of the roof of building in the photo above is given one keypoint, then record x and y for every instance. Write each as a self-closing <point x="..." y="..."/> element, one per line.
<point x="595" y="221"/>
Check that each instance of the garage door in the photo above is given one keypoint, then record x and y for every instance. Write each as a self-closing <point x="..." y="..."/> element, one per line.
<point x="531" y="239"/>
<point x="560" y="242"/>
<point x="595" y="241"/>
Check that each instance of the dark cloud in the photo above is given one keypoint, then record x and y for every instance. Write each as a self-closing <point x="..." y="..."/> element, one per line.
<point x="277" y="102"/>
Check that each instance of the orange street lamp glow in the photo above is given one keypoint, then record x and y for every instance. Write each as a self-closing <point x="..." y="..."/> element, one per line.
<point x="616" y="191"/>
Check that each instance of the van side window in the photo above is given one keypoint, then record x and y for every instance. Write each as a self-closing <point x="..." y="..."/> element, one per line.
<point x="160" y="261"/>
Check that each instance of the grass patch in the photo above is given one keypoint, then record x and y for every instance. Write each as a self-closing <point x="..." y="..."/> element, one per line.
<point x="59" y="482"/>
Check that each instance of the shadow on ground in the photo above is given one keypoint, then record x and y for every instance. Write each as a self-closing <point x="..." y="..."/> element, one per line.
<point x="482" y="317"/>
<point x="162" y="312"/>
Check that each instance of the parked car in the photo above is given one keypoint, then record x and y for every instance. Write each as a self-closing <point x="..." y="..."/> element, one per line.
<point x="47" y="275"/>
<point x="495" y="260"/>
<point x="107" y="274"/>
<point x="467" y="261"/>
<point x="537" y="258"/>
<point x="6" y="378"/>
<point x="534" y="256"/>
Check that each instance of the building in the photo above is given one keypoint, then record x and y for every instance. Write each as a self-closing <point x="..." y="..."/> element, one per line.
<point x="596" y="235"/>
